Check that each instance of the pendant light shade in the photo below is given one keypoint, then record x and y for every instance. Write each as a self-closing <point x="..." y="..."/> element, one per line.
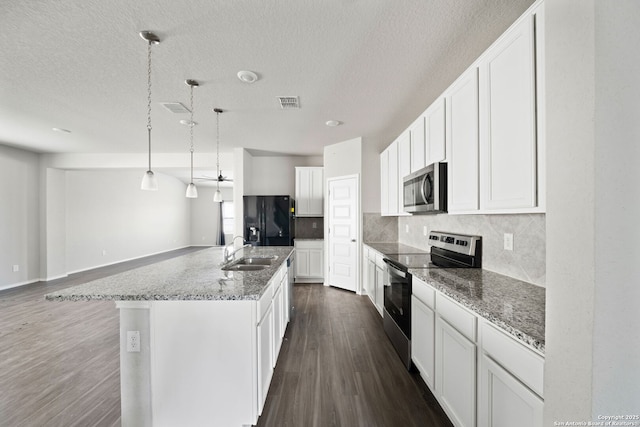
<point x="217" y="196"/>
<point x="192" y="191"/>
<point x="149" y="181"/>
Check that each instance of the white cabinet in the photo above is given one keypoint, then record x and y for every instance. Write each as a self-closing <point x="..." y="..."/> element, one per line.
<point x="508" y="151"/>
<point x="392" y="178"/>
<point x="375" y="275"/>
<point x="278" y="322"/>
<point x="435" y="141"/>
<point x="423" y="337"/>
<point x="418" y="144"/>
<point x="265" y="355"/>
<point x="511" y="381"/>
<point x="462" y="137"/>
<point x="504" y="401"/>
<point x="309" y="191"/>
<point x="456" y="361"/>
<point x="404" y="168"/>
<point x="309" y="260"/>
<point x="384" y="183"/>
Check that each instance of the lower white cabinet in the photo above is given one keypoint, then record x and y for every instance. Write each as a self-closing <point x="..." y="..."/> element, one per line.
<point x="265" y="356"/>
<point x="504" y="401"/>
<point x="480" y="374"/>
<point x="278" y="322"/>
<point x="309" y="260"/>
<point x="455" y="374"/>
<point x="423" y="322"/>
<point x="375" y="275"/>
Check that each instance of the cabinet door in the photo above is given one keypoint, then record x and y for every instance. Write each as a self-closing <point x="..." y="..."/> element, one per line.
<point x="303" y="183"/>
<point x="508" y="123"/>
<point x="392" y="179"/>
<point x="265" y="356"/>
<point x="371" y="279"/>
<point x="278" y="327"/>
<point x="316" y="200"/>
<point x="418" y="144"/>
<point x="423" y="340"/>
<point x="384" y="183"/>
<point x="316" y="264"/>
<point x="455" y="374"/>
<point x="381" y="277"/>
<point x="435" y="132"/>
<point x="504" y="401"/>
<point x="302" y="263"/>
<point x="404" y="168"/>
<point x="462" y="137"/>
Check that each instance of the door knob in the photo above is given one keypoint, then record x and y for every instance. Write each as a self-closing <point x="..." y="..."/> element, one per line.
<point x="353" y="240"/>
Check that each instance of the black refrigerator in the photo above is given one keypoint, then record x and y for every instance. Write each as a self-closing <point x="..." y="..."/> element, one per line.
<point x="268" y="220"/>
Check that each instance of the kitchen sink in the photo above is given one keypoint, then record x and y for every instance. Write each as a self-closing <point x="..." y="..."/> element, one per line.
<point x="244" y="267"/>
<point x="255" y="261"/>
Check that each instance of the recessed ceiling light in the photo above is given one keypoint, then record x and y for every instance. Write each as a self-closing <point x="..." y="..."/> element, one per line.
<point x="333" y="123"/>
<point x="188" y="123"/>
<point x="247" y="76"/>
<point x="61" y="130"/>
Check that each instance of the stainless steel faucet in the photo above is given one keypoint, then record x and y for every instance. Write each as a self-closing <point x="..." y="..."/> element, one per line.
<point x="230" y="256"/>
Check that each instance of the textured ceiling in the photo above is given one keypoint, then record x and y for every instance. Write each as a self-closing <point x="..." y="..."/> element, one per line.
<point x="372" y="64"/>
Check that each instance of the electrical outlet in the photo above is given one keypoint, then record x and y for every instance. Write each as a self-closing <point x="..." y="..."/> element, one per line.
<point x="314" y="225"/>
<point x="424" y="230"/>
<point x="104" y="252"/>
<point x="508" y="241"/>
<point x="16" y="268"/>
<point x="133" y="341"/>
<point x="406" y="228"/>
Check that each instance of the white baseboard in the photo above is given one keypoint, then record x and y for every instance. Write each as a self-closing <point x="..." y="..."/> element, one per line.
<point x="15" y="285"/>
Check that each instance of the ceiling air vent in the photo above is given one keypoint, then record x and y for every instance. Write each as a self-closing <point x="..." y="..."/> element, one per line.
<point x="175" y="107"/>
<point x="289" y="102"/>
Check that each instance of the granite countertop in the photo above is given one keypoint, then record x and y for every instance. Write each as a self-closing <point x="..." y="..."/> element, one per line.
<point x="389" y="248"/>
<point x="194" y="276"/>
<point x="516" y="306"/>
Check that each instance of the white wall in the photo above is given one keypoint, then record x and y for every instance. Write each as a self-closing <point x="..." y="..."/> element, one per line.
<point x="275" y="175"/>
<point x="107" y="211"/>
<point x="19" y="217"/>
<point x="204" y="215"/>
<point x="53" y="224"/>
<point x="370" y="177"/>
<point x="593" y="99"/>
<point x="344" y="158"/>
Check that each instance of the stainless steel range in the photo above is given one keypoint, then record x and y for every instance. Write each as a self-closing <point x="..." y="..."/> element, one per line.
<point x="448" y="250"/>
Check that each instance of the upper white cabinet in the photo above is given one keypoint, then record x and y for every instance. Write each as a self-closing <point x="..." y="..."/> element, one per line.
<point x="404" y="167"/>
<point x="462" y="136"/>
<point x="384" y="182"/>
<point x="435" y="142"/>
<point x="508" y="149"/>
<point x="489" y="127"/>
<point x="309" y="191"/>
<point x="395" y="164"/>
<point x="418" y="144"/>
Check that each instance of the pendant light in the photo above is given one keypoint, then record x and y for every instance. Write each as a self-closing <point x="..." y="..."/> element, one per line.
<point x="192" y="191"/>
<point x="149" y="181"/>
<point x="217" y="196"/>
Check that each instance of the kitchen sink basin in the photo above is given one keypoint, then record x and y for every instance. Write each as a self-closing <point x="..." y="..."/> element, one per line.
<point x="244" y="267"/>
<point x="255" y="261"/>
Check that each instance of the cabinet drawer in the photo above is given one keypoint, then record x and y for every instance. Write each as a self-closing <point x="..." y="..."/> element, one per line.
<point x="425" y="293"/>
<point x="379" y="260"/>
<point x="520" y="361"/>
<point x="457" y="316"/>
<point x="265" y="301"/>
<point x="308" y="244"/>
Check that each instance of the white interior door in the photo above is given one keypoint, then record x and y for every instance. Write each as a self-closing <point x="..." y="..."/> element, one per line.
<point x="343" y="233"/>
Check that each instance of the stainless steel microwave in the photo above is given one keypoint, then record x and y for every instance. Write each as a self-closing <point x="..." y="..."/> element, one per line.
<point x="425" y="190"/>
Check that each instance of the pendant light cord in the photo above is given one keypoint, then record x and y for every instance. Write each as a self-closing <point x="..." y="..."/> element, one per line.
<point x="191" y="125"/>
<point x="149" y="99"/>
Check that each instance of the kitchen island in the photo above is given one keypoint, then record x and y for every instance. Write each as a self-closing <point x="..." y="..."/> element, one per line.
<point x="197" y="344"/>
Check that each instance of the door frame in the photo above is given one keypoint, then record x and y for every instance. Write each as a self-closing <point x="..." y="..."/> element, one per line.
<point x="327" y="245"/>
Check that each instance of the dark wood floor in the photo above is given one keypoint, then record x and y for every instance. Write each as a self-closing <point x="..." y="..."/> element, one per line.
<point x="338" y="368"/>
<point x="59" y="362"/>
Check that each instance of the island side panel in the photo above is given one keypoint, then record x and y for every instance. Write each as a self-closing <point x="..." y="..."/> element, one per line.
<point x="203" y="363"/>
<point x="135" y="367"/>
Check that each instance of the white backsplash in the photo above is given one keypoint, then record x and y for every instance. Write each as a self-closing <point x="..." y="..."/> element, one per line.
<point x="527" y="260"/>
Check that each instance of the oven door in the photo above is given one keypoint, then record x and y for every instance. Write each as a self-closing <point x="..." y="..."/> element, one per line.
<point x="397" y="296"/>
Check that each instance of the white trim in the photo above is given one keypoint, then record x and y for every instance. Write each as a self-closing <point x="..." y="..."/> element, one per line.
<point x="146" y="305"/>
<point x="18" y="284"/>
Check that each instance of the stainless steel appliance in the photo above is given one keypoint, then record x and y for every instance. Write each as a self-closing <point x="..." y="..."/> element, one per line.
<point x="448" y="250"/>
<point x="425" y="190"/>
<point x="269" y="220"/>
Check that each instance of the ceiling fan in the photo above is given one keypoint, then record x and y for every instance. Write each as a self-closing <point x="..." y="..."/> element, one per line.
<point x="219" y="178"/>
